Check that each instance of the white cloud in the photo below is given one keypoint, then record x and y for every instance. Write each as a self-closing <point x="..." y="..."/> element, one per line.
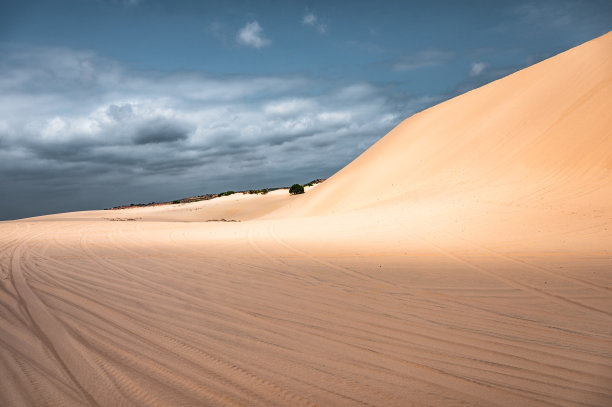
<point x="53" y="128"/>
<point x="288" y="106"/>
<point x="478" y="68"/>
<point x="252" y="35"/>
<point x="312" y="20"/>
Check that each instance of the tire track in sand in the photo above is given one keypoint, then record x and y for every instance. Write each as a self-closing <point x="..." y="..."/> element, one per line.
<point x="225" y="369"/>
<point x="71" y="355"/>
<point x="428" y="374"/>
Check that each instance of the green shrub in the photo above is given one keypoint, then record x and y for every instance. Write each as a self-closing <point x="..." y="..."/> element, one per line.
<point x="176" y="202"/>
<point x="296" y="189"/>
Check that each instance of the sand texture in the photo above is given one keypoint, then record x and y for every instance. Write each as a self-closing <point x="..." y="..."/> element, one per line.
<point x="464" y="259"/>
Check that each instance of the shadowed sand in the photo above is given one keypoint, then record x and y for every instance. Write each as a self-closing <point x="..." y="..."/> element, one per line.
<point x="464" y="259"/>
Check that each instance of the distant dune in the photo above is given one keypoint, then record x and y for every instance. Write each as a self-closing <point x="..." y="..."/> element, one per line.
<point x="464" y="259"/>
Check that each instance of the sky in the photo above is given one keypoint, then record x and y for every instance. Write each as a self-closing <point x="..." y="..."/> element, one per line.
<point x="104" y="103"/>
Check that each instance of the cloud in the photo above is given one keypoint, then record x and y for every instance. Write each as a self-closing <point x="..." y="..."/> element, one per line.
<point x="120" y="112"/>
<point x="86" y="132"/>
<point x="545" y="13"/>
<point x="311" y="20"/>
<point x="477" y="68"/>
<point x="288" y="106"/>
<point x="423" y="58"/>
<point x="252" y="35"/>
<point x="161" y="131"/>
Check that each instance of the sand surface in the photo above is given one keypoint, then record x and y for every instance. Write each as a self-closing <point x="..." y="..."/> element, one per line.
<point x="464" y="259"/>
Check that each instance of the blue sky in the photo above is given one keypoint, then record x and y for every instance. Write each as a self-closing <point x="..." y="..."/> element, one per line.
<point x="111" y="102"/>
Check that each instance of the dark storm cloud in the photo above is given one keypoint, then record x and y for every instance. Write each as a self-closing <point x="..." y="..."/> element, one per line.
<point x="63" y="152"/>
<point x="160" y="131"/>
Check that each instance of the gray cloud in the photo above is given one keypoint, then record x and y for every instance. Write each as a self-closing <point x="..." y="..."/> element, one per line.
<point x="120" y="112"/>
<point x="161" y="131"/>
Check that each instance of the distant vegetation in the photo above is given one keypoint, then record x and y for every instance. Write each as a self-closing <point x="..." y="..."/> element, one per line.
<point x="296" y="189"/>
<point x="314" y="182"/>
<point x="226" y="193"/>
<point x="293" y="190"/>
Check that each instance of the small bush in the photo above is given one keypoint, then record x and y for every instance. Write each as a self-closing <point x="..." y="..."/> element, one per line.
<point x="296" y="189"/>
<point x="227" y="193"/>
<point x="176" y="202"/>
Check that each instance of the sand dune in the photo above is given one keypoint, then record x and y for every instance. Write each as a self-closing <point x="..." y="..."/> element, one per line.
<point x="462" y="260"/>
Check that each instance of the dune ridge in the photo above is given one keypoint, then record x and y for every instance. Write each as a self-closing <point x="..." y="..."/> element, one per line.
<point x="464" y="259"/>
